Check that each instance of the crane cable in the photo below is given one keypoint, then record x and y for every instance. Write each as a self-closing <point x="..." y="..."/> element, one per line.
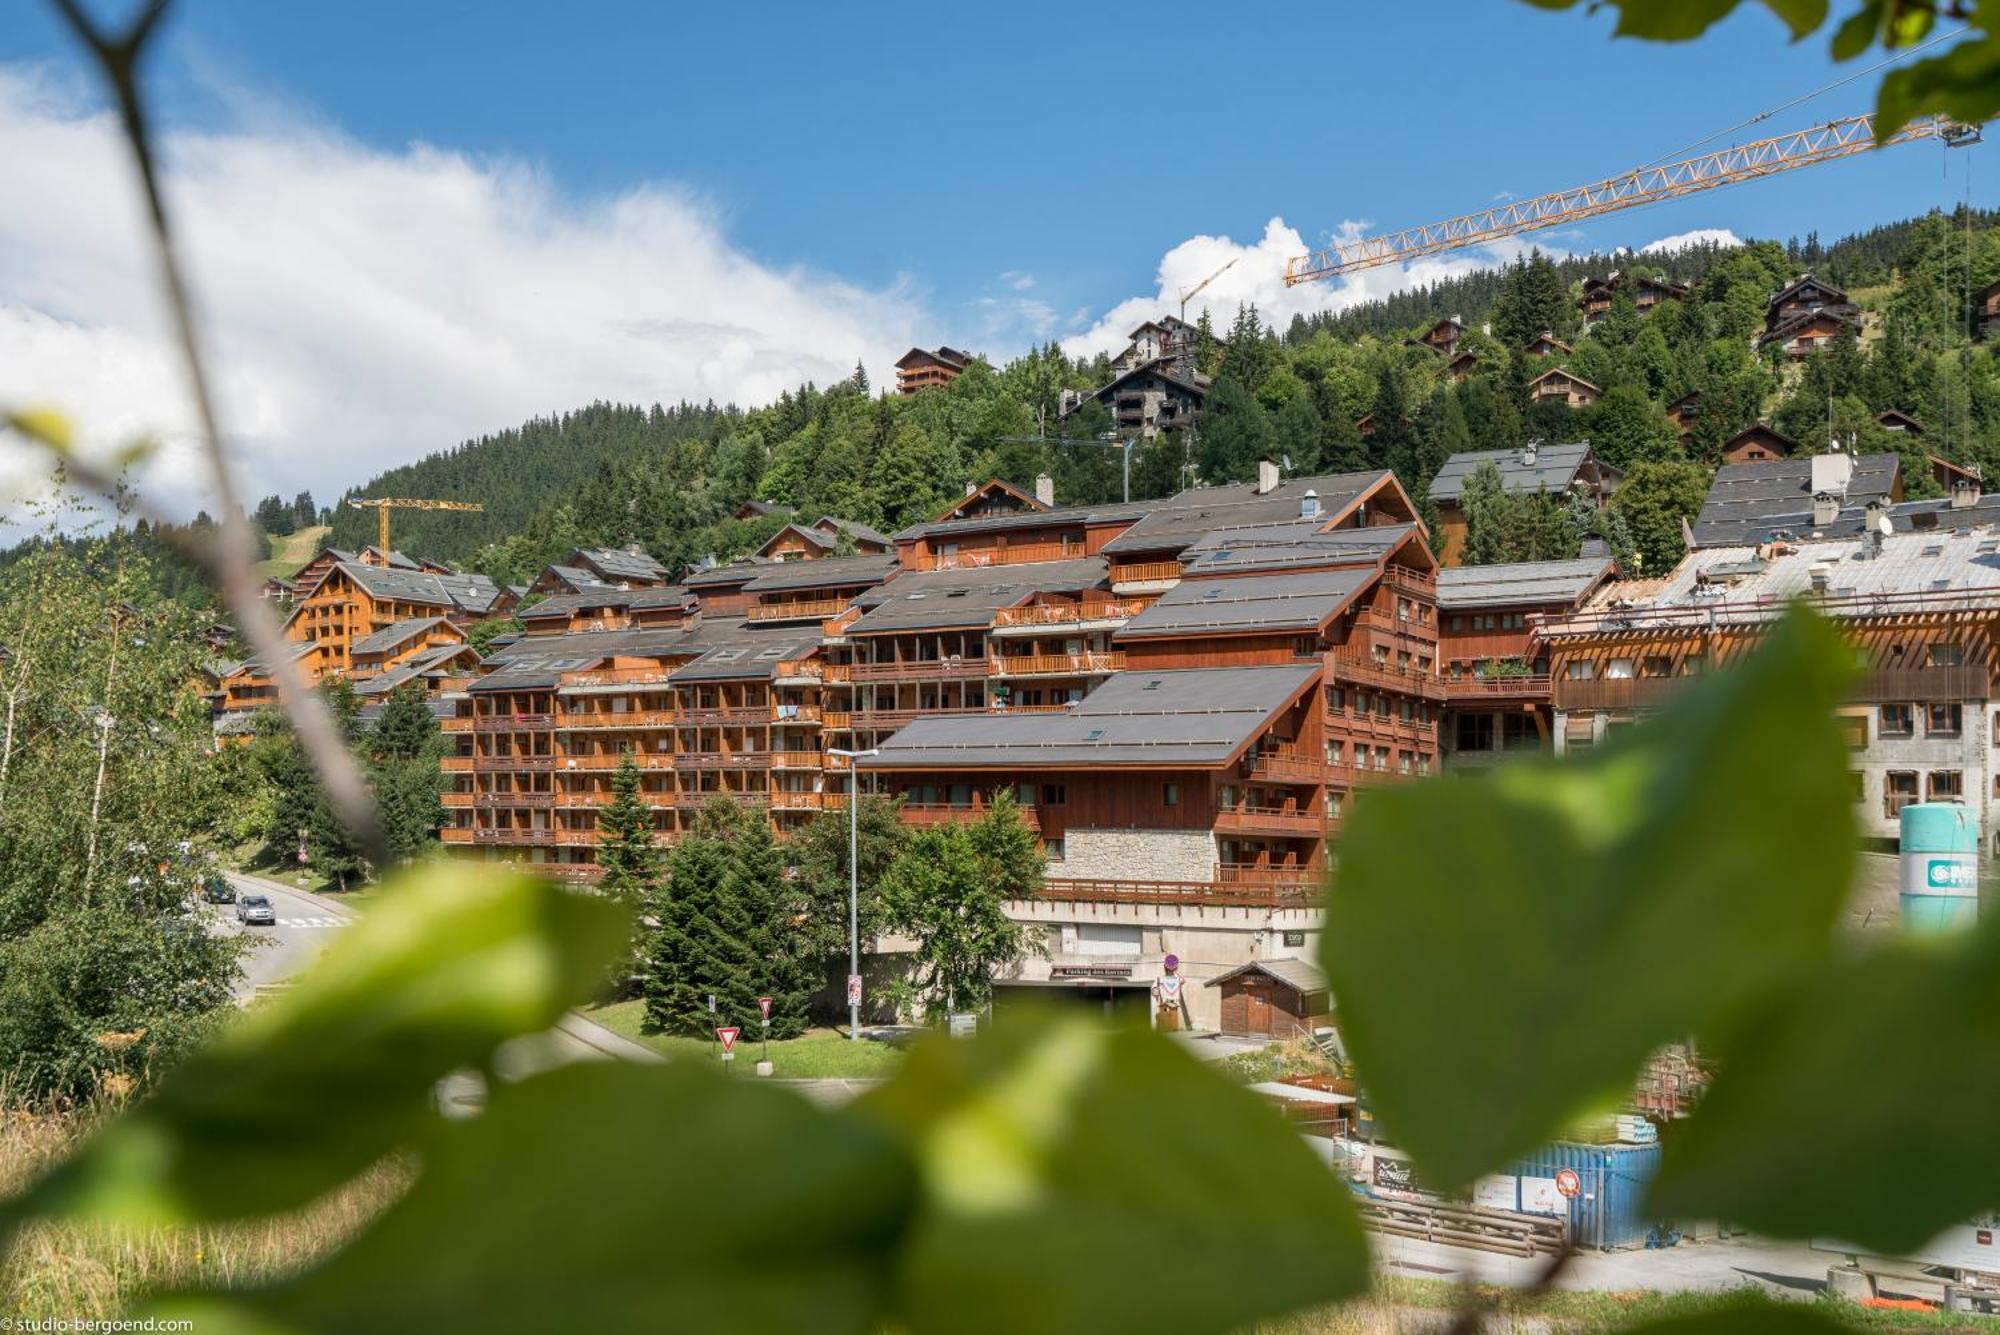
<point x="1806" y="97"/>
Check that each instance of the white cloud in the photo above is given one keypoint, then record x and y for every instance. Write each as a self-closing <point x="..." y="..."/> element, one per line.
<point x="1720" y="236"/>
<point x="1258" y="277"/>
<point x="364" y="308"/>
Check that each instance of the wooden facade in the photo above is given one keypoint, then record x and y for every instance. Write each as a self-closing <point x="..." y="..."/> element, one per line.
<point x="920" y="369"/>
<point x="1758" y="444"/>
<point x="1558" y="385"/>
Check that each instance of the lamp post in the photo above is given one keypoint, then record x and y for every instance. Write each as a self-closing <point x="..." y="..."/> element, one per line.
<point x="853" y="885"/>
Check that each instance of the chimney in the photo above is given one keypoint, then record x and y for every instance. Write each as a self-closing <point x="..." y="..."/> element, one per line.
<point x="1309" y="505"/>
<point x="1045" y="489"/>
<point x="1820" y="572"/>
<point x="1826" y="508"/>
<point x="1964" y="494"/>
<point x="972" y="488"/>
<point x="1529" y="452"/>
<point x="1267" y="477"/>
<point x="1831" y="473"/>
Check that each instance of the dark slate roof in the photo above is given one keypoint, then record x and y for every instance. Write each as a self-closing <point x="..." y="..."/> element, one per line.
<point x="577" y="578"/>
<point x="1179" y="521"/>
<point x="1198" y="718"/>
<point x="537" y="660"/>
<point x="1748" y="503"/>
<point x="755" y="660"/>
<point x="1302" y="601"/>
<point x="1461" y="588"/>
<point x="828" y="572"/>
<point x="940" y="599"/>
<point x="1055" y="516"/>
<point x="858" y="531"/>
<point x="390" y="636"/>
<point x="736" y="572"/>
<point x="470" y="593"/>
<point x="562" y="606"/>
<point x="1553" y="469"/>
<point x="615" y="564"/>
<point x="1293" y="973"/>
<point x="436" y="659"/>
<point x="1294" y="544"/>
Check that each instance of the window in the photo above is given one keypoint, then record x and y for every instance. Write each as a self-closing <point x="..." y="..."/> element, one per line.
<point x="1859" y="782"/>
<point x="1853" y="729"/>
<point x="1657" y="665"/>
<point x="1423" y="762"/>
<point x="1897" y="721"/>
<point x="1052" y="849"/>
<point x="1053" y="795"/>
<point x="1946" y="655"/>
<point x="1381" y="706"/>
<point x="1402" y="609"/>
<point x="1944" y="719"/>
<point x="1947" y="785"/>
<point x="1333" y="806"/>
<point x="1899" y="789"/>
<point x="1336" y="700"/>
<point x="1336" y="753"/>
<point x="1618" y="669"/>
<point x="1580" y="670"/>
<point x="1171" y="794"/>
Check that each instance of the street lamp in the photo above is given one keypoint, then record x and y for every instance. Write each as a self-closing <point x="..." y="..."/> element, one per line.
<point x="853" y="886"/>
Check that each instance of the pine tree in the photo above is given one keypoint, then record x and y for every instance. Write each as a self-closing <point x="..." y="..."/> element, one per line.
<point x="1489" y="517"/>
<point x="626" y="851"/>
<point x="1533" y="299"/>
<point x="1235" y="433"/>
<point x="783" y="965"/>
<point x="1440" y="433"/>
<point x="406" y="729"/>
<point x="677" y="967"/>
<point x="1298" y="434"/>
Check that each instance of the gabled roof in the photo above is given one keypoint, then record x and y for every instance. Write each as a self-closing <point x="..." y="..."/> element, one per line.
<point x="1784" y="329"/>
<point x="759" y="509"/>
<point x="1522" y="583"/>
<point x="1570" y="376"/>
<point x="854" y="529"/>
<point x="1297" y="544"/>
<point x="1195" y="718"/>
<point x="438" y="658"/>
<point x="468" y="593"/>
<point x="1546" y="337"/>
<point x="576" y="578"/>
<point x="1551" y="468"/>
<point x="1898" y="420"/>
<point x="1748" y="503"/>
<point x="830" y="572"/>
<point x="1804" y="281"/>
<point x="1178" y="522"/>
<point x="818" y="539"/>
<point x="735" y="572"/>
<point x="991" y="487"/>
<point x="1761" y="431"/>
<point x="951" y="599"/>
<point x="1164" y="368"/>
<point x="947" y="356"/>
<point x="1254" y="604"/>
<point x="1296" y="974"/>
<point x="615" y="564"/>
<point x="382" y="641"/>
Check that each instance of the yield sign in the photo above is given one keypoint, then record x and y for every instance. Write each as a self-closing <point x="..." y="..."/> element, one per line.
<point x="727" y="1033"/>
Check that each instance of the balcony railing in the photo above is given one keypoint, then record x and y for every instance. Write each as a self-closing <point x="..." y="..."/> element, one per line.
<point x="1066" y="614"/>
<point x="456" y="799"/>
<point x="631" y="718"/>
<point x="1146" y="572"/>
<point x="1614" y="692"/>
<point x="1387" y="676"/>
<point x="888" y="720"/>
<point x="722" y="760"/>
<point x="1089" y="662"/>
<point x="640" y="760"/>
<point x="1957" y="682"/>
<point x="797" y="760"/>
<point x="513" y="764"/>
<point x="455" y="723"/>
<point x="504" y="799"/>
<point x="719" y="717"/>
<point x="917" y="669"/>
<point x="456" y="764"/>
<point x="816" y="609"/>
<point x="944" y="813"/>
<point x="618" y="677"/>
<point x="455" y="834"/>
<point x="1289" y="766"/>
<point x="1298" y="893"/>
<point x="802" y="715"/>
<point x="1301" y="822"/>
<point x="781" y="800"/>
<point x="1527" y="686"/>
<point x="510" y="722"/>
<point x="1028" y="553"/>
<point x="1257" y="873"/>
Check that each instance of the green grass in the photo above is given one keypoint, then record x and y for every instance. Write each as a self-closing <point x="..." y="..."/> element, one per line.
<point x="291" y="551"/>
<point x="819" y="1054"/>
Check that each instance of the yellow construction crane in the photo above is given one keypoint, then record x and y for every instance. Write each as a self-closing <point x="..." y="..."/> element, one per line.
<point x="382" y="505"/>
<point x="1188" y="292"/>
<point x="1646" y="185"/>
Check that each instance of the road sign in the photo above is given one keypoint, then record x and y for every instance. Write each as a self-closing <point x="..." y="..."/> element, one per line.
<point x="854" y="989"/>
<point x="727" y="1033"/>
<point x="764" y="1008"/>
<point x="1568" y="1183"/>
<point x="711" y="1003"/>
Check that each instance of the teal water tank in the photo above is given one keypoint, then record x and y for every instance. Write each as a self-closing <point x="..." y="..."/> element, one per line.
<point x="1940" y="883"/>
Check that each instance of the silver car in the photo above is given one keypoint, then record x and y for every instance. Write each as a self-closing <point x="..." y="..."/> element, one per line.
<point x="256" y="911"/>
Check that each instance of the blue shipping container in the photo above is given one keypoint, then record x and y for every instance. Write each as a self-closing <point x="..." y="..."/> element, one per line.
<point x="1608" y="1213"/>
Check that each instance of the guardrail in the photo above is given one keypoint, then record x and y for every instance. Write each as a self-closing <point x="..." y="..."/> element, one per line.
<point x="1058" y="665"/>
<point x="1064" y="614"/>
<point x="510" y="722"/>
<point x="817" y="609"/>
<point x="1146" y="572"/>
<point x="1296" y="894"/>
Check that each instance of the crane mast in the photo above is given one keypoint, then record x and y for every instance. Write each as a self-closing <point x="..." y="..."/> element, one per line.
<point x="1645" y="185"/>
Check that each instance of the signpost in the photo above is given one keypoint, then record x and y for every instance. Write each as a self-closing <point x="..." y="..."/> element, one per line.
<point x="764" y="1010"/>
<point x="727" y="1034"/>
<point x="1569" y="1184"/>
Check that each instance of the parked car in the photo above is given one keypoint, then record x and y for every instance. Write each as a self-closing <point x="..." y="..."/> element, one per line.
<point x="218" y="890"/>
<point x="256" y="911"/>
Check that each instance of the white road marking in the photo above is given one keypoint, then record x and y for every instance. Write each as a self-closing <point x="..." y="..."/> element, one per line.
<point x="311" y="922"/>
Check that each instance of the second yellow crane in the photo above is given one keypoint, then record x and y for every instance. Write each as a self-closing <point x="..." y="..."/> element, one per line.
<point x="382" y="505"/>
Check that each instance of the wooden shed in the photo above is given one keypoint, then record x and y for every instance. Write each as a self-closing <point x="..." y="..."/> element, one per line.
<point x="1280" y="999"/>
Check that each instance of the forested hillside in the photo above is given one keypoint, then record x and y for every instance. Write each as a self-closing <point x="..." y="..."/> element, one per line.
<point x="669" y="478"/>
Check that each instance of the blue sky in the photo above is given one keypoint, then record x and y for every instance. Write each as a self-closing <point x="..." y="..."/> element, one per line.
<point x="719" y="200"/>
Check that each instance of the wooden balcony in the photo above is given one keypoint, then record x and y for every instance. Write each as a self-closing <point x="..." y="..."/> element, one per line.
<point x="944" y="813"/>
<point x="795" y="715"/>
<point x="836" y="627"/>
<point x="499" y="799"/>
<point x="1146" y="572"/>
<point x="1298" y="893"/>
<point x="1258" y="873"/>
<point x="790" y="760"/>
<point x="1285" y="766"/>
<point x="1066" y="614"/>
<point x="514" y="764"/>
<point x="573" y="873"/>
<point x="484" y="835"/>
<point x="1091" y="662"/>
<point x="511" y="722"/>
<point x="1027" y="553"/>
<point x="456" y="764"/>
<point x="888" y="720"/>
<point x="454" y="834"/>
<point x="1925" y="684"/>
<point x="456" y="723"/>
<point x="836" y="720"/>
<point x="1289" y="822"/>
<point x="723" y="760"/>
<point x="456" y="799"/>
<point x="652" y="676"/>
<point x="816" y="609"/>
<point x="640" y="760"/>
<point x="1600" y="693"/>
<point x="804" y="671"/>
<point x="657" y="801"/>
<point x="781" y="800"/>
<point x="1385" y="676"/>
<point x="919" y="669"/>
<point x="594" y="720"/>
<point x="1527" y="686"/>
<point x="732" y="717"/>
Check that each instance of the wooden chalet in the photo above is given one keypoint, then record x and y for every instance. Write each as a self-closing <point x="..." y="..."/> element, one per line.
<point x="1684" y="412"/>
<point x="1986" y="309"/>
<point x="1895" y="419"/>
<point x="1443" y="337"/>
<point x="1599" y="294"/>
<point x="920" y="369"/>
<point x="1556" y="385"/>
<point x="1279" y="999"/>
<point x="1459" y="369"/>
<point x="1952" y="476"/>
<point x="825" y="536"/>
<point x="1560" y="470"/>
<point x="1758" y="443"/>
<point x="1546" y="344"/>
<point x="1807" y="316"/>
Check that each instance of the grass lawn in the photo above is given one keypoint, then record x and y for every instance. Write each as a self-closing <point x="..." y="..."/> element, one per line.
<point x="291" y="551"/>
<point x="816" y="1054"/>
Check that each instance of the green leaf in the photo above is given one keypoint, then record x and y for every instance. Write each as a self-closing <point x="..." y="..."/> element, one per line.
<point x="303" y="1092"/>
<point x="1801" y="16"/>
<point x="1860" y="1107"/>
<point x="45" y="425"/>
<point x="610" y="1197"/>
<point x="1750" y="1316"/>
<point x="1684" y="20"/>
<point x="1518" y="942"/>
<point x="1859" y="31"/>
<point x="1118" y="1177"/>
<point x="1963" y="83"/>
